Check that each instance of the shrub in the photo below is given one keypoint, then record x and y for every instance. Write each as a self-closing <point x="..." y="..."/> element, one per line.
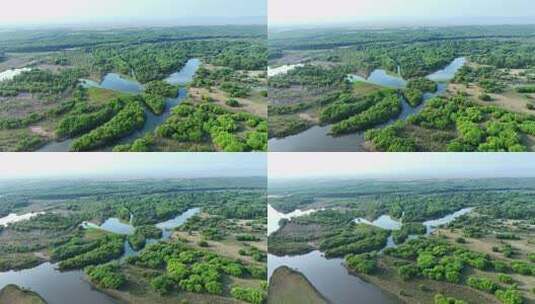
<point x="232" y="103"/>
<point x="485" y="97"/>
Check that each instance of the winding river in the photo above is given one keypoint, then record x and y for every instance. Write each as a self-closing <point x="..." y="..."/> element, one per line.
<point x="69" y="287"/>
<point x="317" y="138"/>
<point x="119" y="83"/>
<point x="329" y="276"/>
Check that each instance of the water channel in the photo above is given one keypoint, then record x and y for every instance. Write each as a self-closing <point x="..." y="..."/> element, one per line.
<point x="69" y="287"/>
<point x="119" y="83"/>
<point x="329" y="276"/>
<point x="317" y="138"/>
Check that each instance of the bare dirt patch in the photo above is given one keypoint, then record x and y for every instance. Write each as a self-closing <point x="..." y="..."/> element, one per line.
<point x="229" y="248"/>
<point x="15" y="61"/>
<point x="22" y="105"/>
<point x="257" y="108"/>
<point x="509" y="100"/>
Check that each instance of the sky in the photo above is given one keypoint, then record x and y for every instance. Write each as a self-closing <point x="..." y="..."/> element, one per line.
<point x="300" y="12"/>
<point x="31" y="12"/>
<point x="400" y="165"/>
<point x="131" y="165"/>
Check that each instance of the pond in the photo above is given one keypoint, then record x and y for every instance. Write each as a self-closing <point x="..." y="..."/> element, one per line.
<point x="317" y="138"/>
<point x="69" y="287"/>
<point x="382" y="78"/>
<point x="384" y="221"/>
<point x="116" y="82"/>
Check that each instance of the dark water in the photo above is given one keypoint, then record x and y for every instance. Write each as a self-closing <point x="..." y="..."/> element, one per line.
<point x="116" y="82"/>
<point x="331" y="279"/>
<point x="54" y="286"/>
<point x="317" y="138"/>
<point x="70" y="287"/>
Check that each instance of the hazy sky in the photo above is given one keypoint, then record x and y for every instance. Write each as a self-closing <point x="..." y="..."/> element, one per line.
<point x="465" y="11"/>
<point x="131" y="165"/>
<point x="83" y="11"/>
<point x="394" y="165"/>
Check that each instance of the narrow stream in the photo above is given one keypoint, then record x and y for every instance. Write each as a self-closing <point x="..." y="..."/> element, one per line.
<point x="116" y="82"/>
<point x="317" y="138"/>
<point x="329" y="276"/>
<point x="69" y="287"/>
